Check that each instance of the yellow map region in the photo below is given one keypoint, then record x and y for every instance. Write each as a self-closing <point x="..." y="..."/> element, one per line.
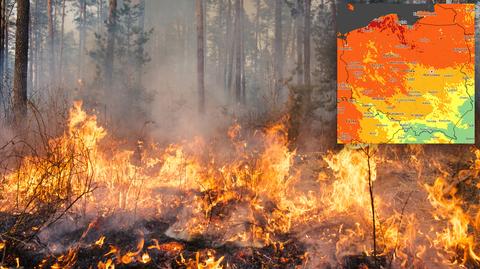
<point x="406" y="84"/>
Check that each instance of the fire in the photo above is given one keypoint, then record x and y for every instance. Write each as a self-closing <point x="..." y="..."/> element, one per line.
<point x="64" y="175"/>
<point x="130" y="256"/>
<point x="350" y="7"/>
<point x="456" y="238"/>
<point x="100" y="241"/>
<point x="476" y="166"/>
<point x="107" y="265"/>
<point x="350" y="189"/>
<point x="172" y="247"/>
<point x="145" y="258"/>
<point x="250" y="194"/>
<point x="66" y="261"/>
<point x="199" y="263"/>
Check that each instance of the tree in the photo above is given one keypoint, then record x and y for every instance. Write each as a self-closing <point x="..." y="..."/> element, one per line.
<point x="141" y="25"/>
<point x="111" y="30"/>
<point x="200" y="55"/>
<point x="21" y="61"/>
<point x="278" y="46"/>
<point x="118" y="69"/>
<point x="238" y="51"/>
<point x="82" y="23"/>
<point x="100" y="13"/>
<point x="257" y="35"/>
<point x="3" y="47"/>
<point x="128" y="54"/>
<point x="50" y="41"/>
<point x="86" y="19"/>
<point x="306" y="44"/>
<point x="299" y="29"/>
<point x="242" y="54"/>
<point x="34" y="46"/>
<point x="215" y="35"/>
<point x="306" y="60"/>
<point x="230" y="49"/>
<point x="62" y="41"/>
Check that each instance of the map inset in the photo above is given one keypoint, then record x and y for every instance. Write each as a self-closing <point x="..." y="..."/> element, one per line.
<point x="406" y="73"/>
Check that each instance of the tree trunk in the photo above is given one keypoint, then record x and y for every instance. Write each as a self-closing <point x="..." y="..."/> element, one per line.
<point x="50" y="42"/>
<point x="30" y="53"/>
<point x="299" y="29"/>
<point x="62" y="43"/>
<point x="230" y="50"/>
<point x="257" y="36"/>
<point x="38" y="46"/>
<point x="278" y="47"/>
<point x="3" y="49"/>
<point x="238" y="54"/>
<point x="306" y="43"/>
<point x="289" y="40"/>
<point x="35" y="47"/>
<point x="219" y="46"/>
<point x="82" y="34"/>
<point x="242" y="53"/>
<point x="306" y="65"/>
<point x="334" y="13"/>
<point x="21" y="61"/>
<point x="200" y="55"/>
<point x="99" y="14"/>
<point x="112" y="21"/>
<point x="7" y="40"/>
<point x="141" y="25"/>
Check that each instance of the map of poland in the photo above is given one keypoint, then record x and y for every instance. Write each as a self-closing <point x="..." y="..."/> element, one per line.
<point x="406" y="73"/>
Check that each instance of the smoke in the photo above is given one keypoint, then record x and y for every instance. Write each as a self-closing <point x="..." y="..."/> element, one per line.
<point x="172" y="78"/>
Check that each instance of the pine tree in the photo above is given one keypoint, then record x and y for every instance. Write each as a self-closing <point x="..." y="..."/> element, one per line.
<point x="21" y="61"/>
<point x="200" y="55"/>
<point x="119" y="56"/>
<point x="3" y="47"/>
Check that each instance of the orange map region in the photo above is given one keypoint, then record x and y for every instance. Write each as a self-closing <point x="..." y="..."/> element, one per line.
<point x="400" y="83"/>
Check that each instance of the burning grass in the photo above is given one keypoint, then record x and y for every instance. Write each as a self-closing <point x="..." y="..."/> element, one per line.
<point x="247" y="201"/>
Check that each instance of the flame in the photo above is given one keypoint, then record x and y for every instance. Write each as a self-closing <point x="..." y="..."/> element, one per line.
<point x="107" y="265"/>
<point x="250" y="193"/>
<point x="349" y="192"/>
<point x="100" y="241"/>
<point x="145" y="258"/>
<point x="201" y="263"/>
<point x="171" y="247"/>
<point x="476" y="164"/>
<point x="92" y="166"/>
<point x="130" y="256"/>
<point x="456" y="238"/>
<point x="66" y="261"/>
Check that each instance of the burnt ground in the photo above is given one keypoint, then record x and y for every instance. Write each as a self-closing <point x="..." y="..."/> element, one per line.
<point x="397" y="178"/>
<point x="164" y="251"/>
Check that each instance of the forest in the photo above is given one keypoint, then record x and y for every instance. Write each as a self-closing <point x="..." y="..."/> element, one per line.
<point x="202" y="134"/>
